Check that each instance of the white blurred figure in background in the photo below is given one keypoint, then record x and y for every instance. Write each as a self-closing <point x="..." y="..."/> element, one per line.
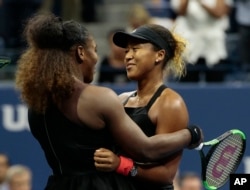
<point x="19" y="177"/>
<point x="204" y="23"/>
<point x="190" y="181"/>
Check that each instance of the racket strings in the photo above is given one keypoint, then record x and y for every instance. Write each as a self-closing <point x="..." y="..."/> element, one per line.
<point x="224" y="160"/>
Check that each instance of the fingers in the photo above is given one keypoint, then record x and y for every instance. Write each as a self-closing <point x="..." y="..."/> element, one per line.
<point x="103" y="152"/>
<point x="105" y="160"/>
<point x="104" y="166"/>
<point x="103" y="157"/>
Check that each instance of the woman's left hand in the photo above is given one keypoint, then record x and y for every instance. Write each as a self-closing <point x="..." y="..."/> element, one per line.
<point x="106" y="160"/>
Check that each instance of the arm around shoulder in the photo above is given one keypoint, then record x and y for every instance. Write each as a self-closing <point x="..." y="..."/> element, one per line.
<point x="130" y="137"/>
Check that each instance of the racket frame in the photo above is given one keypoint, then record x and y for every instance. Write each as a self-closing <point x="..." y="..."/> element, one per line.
<point x="214" y="143"/>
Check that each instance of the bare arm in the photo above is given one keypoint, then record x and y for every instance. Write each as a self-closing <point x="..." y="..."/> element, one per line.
<point x="219" y="10"/>
<point x="182" y="7"/>
<point x="131" y="138"/>
<point x="169" y="114"/>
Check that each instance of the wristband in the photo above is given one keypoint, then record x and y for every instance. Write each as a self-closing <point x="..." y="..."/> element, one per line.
<point x="195" y="134"/>
<point x="125" y="166"/>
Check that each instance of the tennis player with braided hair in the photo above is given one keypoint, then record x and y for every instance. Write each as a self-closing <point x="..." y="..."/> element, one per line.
<point x="71" y="118"/>
<point x="152" y="54"/>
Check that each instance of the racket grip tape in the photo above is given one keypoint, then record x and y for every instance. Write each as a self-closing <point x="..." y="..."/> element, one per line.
<point x="196" y="135"/>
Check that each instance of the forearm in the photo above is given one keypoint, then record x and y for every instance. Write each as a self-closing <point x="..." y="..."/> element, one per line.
<point x="158" y="174"/>
<point x="163" y="173"/>
<point x="164" y="145"/>
<point x="218" y="11"/>
<point x="183" y="7"/>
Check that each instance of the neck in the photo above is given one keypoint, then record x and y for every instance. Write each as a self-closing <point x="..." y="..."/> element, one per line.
<point x="145" y="91"/>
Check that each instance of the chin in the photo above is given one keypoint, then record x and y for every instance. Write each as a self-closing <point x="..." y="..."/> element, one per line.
<point x="131" y="77"/>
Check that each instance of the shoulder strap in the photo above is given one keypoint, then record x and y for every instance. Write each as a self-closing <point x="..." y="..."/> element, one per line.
<point x="155" y="96"/>
<point x="132" y="94"/>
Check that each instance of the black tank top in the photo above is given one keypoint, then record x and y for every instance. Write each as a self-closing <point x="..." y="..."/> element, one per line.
<point x="140" y="114"/>
<point x="69" y="150"/>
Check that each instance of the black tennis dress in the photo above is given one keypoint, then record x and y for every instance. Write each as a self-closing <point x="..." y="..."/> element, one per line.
<point x="140" y="116"/>
<point x="69" y="150"/>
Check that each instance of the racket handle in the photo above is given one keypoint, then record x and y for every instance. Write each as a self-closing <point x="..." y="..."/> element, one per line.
<point x="199" y="147"/>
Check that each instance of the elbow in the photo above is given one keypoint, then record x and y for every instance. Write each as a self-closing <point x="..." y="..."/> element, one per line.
<point x="150" y="154"/>
<point x="181" y="12"/>
<point x="218" y="15"/>
<point x="222" y="12"/>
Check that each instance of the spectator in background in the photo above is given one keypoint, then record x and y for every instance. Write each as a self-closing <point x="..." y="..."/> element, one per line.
<point x="204" y="23"/>
<point x="161" y="12"/>
<point x="4" y="165"/>
<point x="54" y="6"/>
<point x="243" y="21"/>
<point x="19" y="177"/>
<point x="111" y="66"/>
<point x="137" y="16"/>
<point x="15" y="14"/>
<point x="66" y="9"/>
<point x="89" y="12"/>
<point x="190" y="181"/>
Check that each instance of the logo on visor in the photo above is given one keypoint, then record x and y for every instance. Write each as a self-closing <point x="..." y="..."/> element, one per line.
<point x="134" y="31"/>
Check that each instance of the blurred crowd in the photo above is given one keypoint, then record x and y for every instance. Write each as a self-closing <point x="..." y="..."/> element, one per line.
<point x="14" y="176"/>
<point x="218" y="33"/>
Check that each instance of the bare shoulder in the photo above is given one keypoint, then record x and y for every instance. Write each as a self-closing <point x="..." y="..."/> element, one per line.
<point x="171" y="111"/>
<point x="172" y="94"/>
<point x="171" y="98"/>
<point x="99" y="93"/>
<point x="99" y="100"/>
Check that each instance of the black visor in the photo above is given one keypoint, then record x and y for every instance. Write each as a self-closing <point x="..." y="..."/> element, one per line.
<point x="143" y="33"/>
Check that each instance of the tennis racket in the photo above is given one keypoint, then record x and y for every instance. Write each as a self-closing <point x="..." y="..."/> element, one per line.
<point x="222" y="158"/>
<point x="4" y="61"/>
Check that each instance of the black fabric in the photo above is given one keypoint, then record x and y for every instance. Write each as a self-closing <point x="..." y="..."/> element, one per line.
<point x="121" y="39"/>
<point x="140" y="116"/>
<point x="145" y="185"/>
<point x="69" y="150"/>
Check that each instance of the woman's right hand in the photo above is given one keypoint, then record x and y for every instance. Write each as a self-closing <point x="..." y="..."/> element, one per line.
<point x="106" y="160"/>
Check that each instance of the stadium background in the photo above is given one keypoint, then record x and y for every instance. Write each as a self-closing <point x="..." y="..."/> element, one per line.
<point x="215" y="108"/>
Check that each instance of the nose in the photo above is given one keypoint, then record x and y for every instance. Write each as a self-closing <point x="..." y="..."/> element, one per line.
<point x="128" y="55"/>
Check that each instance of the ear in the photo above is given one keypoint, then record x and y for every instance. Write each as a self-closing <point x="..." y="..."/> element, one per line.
<point x="160" y="55"/>
<point x="80" y="54"/>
